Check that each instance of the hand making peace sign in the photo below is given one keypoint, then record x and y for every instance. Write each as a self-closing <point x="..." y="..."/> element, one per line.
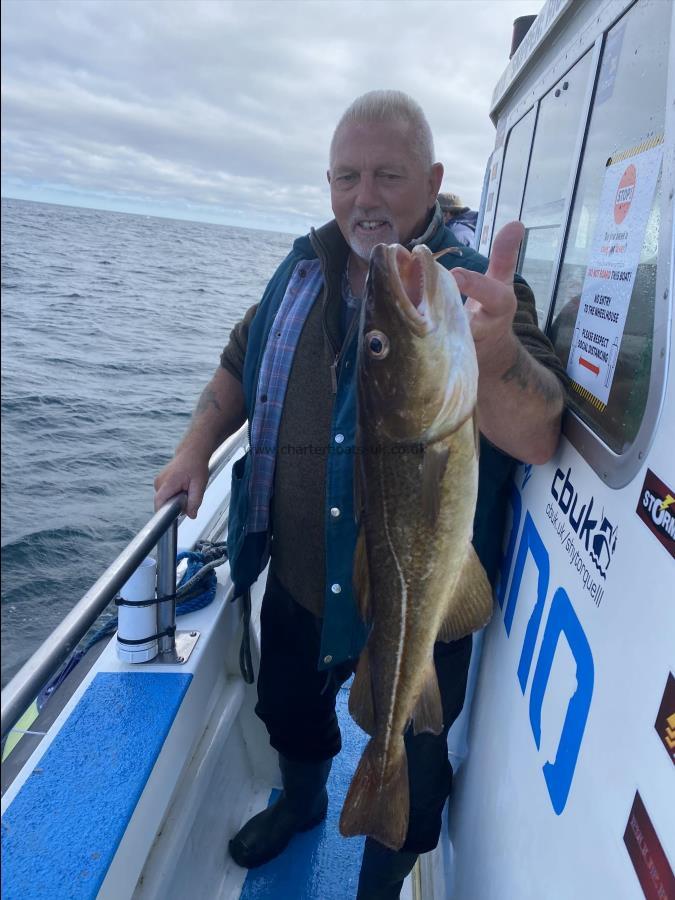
<point x="491" y="301"/>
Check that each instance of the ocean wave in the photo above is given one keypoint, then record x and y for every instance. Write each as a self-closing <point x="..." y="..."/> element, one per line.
<point x="19" y="404"/>
<point x="53" y="541"/>
<point x="67" y="544"/>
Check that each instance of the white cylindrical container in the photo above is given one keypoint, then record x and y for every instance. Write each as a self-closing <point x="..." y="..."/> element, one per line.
<point x="135" y="622"/>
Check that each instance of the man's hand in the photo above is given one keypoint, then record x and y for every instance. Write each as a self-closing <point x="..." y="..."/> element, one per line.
<point x="491" y="302"/>
<point x="188" y="472"/>
<point x="520" y="402"/>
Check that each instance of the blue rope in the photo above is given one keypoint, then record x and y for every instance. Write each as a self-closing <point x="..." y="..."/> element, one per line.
<point x="196" y="589"/>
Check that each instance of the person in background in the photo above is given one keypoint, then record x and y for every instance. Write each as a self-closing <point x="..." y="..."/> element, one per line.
<point x="460" y="219"/>
<point x="289" y="368"/>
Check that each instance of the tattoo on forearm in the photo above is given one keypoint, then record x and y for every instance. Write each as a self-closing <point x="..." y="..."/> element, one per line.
<point x="528" y="377"/>
<point x="519" y="371"/>
<point x="207" y="400"/>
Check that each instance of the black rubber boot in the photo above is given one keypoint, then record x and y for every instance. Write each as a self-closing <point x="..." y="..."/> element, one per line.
<point x="302" y="805"/>
<point x="383" y="871"/>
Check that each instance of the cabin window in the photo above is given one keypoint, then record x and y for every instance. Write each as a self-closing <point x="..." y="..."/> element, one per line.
<point x="627" y="123"/>
<point x="514" y="171"/>
<point x="553" y="152"/>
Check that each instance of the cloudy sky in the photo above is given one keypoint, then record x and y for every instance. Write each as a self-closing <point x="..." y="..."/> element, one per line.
<point x="222" y="110"/>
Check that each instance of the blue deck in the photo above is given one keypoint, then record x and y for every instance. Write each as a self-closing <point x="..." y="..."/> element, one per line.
<point x="320" y="863"/>
<point x="62" y="829"/>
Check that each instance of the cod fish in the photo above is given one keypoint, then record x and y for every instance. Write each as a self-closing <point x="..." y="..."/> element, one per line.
<point x="416" y="575"/>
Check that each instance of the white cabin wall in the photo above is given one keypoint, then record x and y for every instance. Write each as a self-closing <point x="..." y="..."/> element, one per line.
<point x="506" y="840"/>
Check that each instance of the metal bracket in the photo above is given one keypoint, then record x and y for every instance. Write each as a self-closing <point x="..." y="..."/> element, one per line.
<point x="179" y="655"/>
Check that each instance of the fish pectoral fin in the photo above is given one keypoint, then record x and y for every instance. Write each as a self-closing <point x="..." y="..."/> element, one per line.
<point x="433" y="468"/>
<point x="361" y="576"/>
<point x="361" y="706"/>
<point x="470" y="606"/>
<point x="378" y="799"/>
<point x="428" y="712"/>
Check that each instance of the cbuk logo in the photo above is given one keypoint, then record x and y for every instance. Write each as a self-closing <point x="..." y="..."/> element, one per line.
<point x="559" y="623"/>
<point x="597" y="533"/>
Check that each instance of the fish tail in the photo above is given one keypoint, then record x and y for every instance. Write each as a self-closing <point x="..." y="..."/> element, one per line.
<point x="378" y="800"/>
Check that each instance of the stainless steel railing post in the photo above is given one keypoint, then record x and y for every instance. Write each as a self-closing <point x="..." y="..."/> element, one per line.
<point x="166" y="587"/>
<point x="31" y="678"/>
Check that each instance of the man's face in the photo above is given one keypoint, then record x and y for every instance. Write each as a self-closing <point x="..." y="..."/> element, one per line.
<point x="380" y="190"/>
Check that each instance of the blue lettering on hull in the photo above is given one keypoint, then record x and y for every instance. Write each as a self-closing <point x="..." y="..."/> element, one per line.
<point x="561" y="622"/>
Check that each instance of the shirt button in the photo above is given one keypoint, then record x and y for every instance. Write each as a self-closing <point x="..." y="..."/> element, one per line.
<point x="335" y="512"/>
<point x="328" y="659"/>
<point x="339" y="438"/>
<point x="335" y="588"/>
<point x="302" y="273"/>
<point x="263" y="398"/>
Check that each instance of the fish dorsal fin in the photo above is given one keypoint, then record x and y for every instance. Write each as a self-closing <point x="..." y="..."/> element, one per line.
<point x="361" y="705"/>
<point x="361" y="576"/>
<point x="433" y="469"/>
<point x="428" y="712"/>
<point x="470" y="606"/>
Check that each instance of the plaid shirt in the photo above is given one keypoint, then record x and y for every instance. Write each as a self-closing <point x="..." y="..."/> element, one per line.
<point x="303" y="289"/>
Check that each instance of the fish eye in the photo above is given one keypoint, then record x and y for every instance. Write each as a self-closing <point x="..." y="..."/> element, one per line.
<point x="377" y="344"/>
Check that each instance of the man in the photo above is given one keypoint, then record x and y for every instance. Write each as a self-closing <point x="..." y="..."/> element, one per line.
<point x="289" y="368"/>
<point x="460" y="219"/>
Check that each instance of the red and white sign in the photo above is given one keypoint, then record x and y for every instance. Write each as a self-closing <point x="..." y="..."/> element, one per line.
<point x="624" y="194"/>
<point x="625" y="205"/>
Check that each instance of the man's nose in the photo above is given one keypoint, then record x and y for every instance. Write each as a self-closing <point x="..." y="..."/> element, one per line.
<point x="367" y="196"/>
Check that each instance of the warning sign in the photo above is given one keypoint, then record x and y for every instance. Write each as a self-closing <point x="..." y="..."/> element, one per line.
<point x="625" y="203"/>
<point x="624" y="194"/>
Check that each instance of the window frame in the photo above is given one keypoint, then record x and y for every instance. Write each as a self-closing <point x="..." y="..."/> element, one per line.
<point x="575" y="168"/>
<point x="616" y="470"/>
<point x="507" y="139"/>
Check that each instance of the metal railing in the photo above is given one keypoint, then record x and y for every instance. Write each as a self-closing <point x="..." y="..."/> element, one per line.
<point x="161" y="530"/>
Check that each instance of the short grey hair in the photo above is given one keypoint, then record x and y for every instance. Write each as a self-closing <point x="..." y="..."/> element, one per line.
<point x="391" y="106"/>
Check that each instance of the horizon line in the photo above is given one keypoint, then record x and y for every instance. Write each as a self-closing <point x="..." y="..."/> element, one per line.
<point x="122" y="212"/>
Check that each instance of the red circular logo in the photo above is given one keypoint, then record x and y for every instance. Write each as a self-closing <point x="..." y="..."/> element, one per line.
<point x="624" y="194"/>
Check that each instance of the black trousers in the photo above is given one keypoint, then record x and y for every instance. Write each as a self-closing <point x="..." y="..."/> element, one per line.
<point x="297" y="704"/>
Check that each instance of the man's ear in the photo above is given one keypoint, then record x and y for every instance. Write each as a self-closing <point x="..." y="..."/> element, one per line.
<point x="328" y="175"/>
<point x="435" y="179"/>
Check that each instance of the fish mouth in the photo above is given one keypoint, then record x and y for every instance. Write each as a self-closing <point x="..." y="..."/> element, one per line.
<point x="413" y="280"/>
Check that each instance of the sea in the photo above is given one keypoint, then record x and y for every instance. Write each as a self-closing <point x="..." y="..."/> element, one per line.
<point x="112" y="324"/>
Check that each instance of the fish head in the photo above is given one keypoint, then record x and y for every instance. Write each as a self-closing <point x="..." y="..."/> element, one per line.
<point x="417" y="369"/>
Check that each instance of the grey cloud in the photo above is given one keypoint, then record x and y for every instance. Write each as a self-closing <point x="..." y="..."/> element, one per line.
<point x="231" y="105"/>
